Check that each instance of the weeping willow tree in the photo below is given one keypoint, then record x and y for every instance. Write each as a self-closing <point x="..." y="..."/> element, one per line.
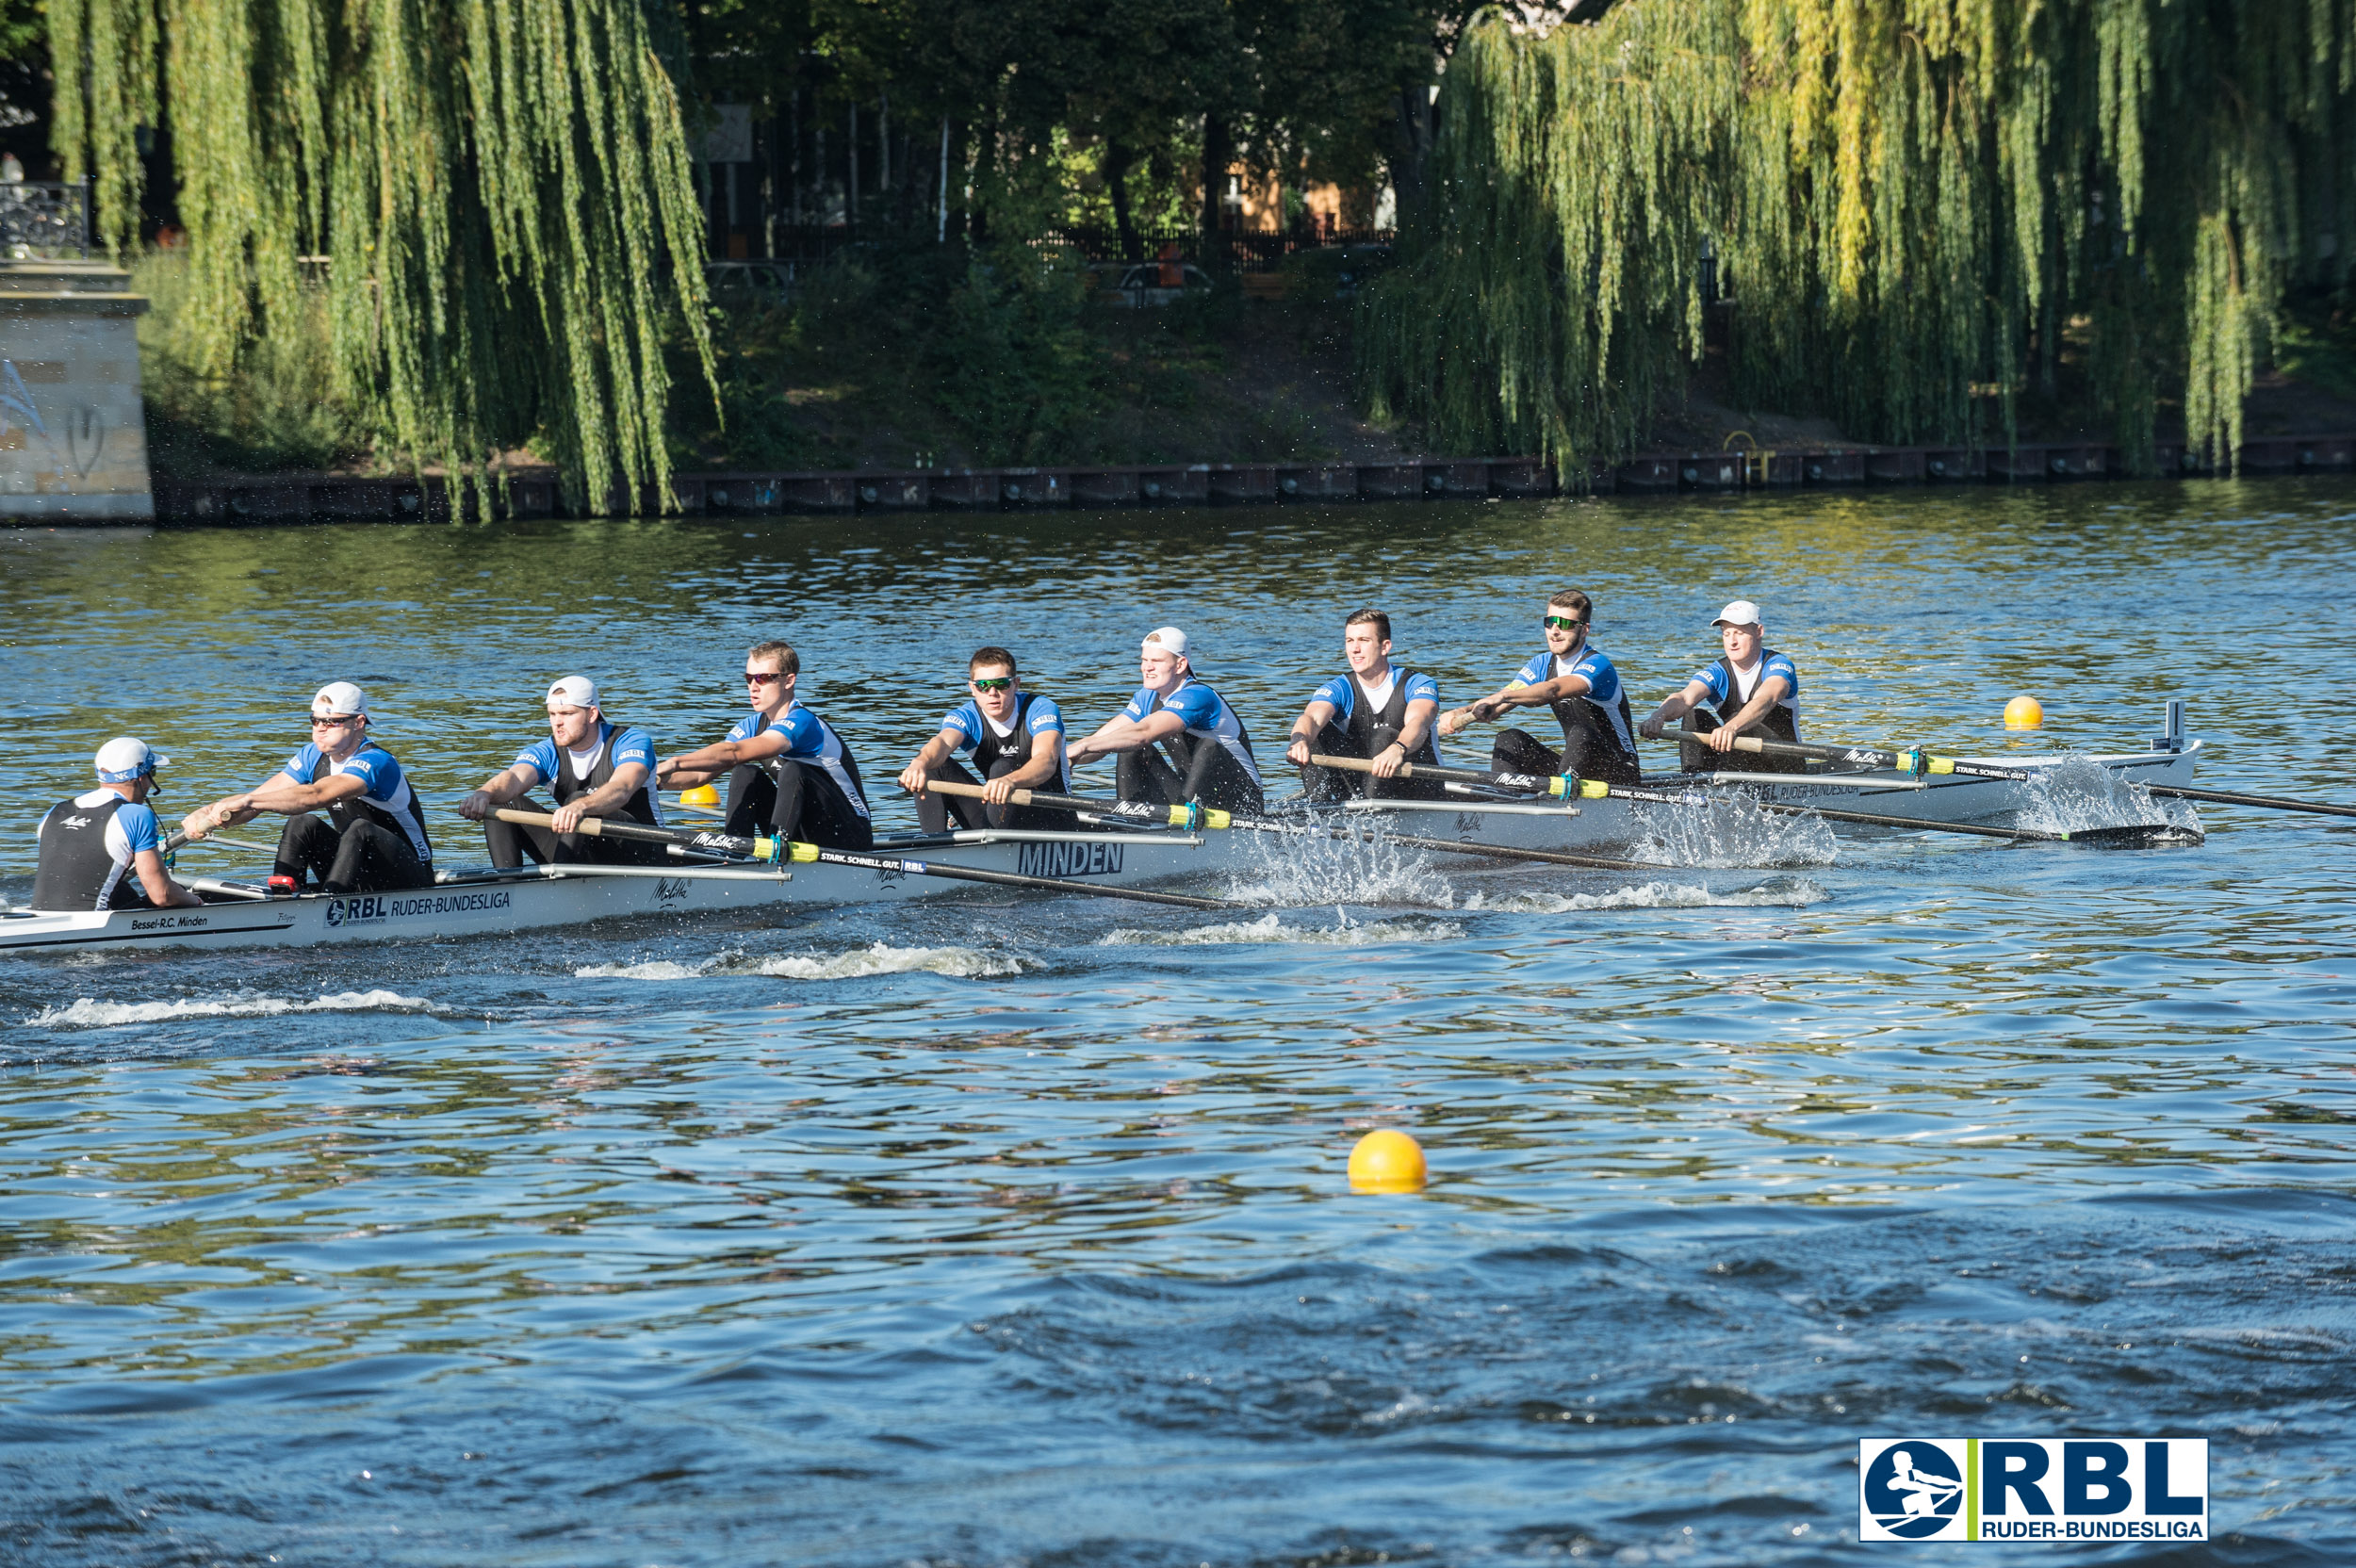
<point x="1921" y="203"/>
<point x="499" y="189"/>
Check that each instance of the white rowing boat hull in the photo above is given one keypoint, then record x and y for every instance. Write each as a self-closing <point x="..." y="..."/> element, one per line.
<point x="490" y="904"/>
<point x="1613" y="824"/>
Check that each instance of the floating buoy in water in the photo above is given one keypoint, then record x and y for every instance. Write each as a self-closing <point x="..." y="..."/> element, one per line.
<point x="1386" y="1161"/>
<point x="2025" y="712"/>
<point x="702" y="795"/>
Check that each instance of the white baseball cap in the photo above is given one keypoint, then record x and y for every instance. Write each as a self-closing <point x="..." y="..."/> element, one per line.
<point x="1741" y="612"/>
<point x="574" y="691"/>
<point x="341" y="698"/>
<point x="1171" y="638"/>
<point x="125" y="757"/>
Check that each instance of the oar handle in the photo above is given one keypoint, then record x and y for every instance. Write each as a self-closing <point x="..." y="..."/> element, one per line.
<point x="1529" y="782"/>
<point x="692" y="838"/>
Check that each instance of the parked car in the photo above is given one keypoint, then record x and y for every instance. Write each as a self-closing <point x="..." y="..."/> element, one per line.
<point x="1138" y="283"/>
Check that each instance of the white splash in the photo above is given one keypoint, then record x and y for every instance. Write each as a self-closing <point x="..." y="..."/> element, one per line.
<point x="1271" y="928"/>
<point x="90" y="1014"/>
<point x="1776" y="894"/>
<point x="963" y="963"/>
<point x="1309" y="870"/>
<point x="1732" y="831"/>
<point x="2078" y="793"/>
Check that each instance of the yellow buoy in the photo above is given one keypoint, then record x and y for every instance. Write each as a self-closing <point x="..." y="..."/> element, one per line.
<point x="1386" y="1161"/>
<point x="2025" y="712"/>
<point x="702" y="795"/>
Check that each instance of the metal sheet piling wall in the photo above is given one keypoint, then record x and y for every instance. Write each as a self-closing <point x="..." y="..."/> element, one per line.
<point x="536" y="492"/>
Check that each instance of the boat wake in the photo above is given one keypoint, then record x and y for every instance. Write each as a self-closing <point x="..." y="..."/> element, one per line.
<point x="1271" y="928"/>
<point x="88" y="1013"/>
<point x="1307" y="871"/>
<point x="2077" y="794"/>
<point x="1775" y="893"/>
<point x="1733" y="831"/>
<point x="960" y="963"/>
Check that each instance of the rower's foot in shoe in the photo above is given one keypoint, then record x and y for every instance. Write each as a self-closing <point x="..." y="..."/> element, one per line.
<point x="334" y="889"/>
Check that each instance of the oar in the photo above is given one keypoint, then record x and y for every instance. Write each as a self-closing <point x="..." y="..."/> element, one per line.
<point x="1905" y="762"/>
<point x="1211" y="817"/>
<point x="781" y="850"/>
<point x="2269" y="803"/>
<point x="1595" y="788"/>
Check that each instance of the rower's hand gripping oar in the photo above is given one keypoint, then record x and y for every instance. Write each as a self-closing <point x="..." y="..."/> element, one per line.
<point x="1572" y="787"/>
<point x="1211" y="817"/>
<point x="783" y="851"/>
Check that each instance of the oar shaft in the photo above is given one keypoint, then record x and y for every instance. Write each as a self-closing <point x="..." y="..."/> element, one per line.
<point x="637" y="832"/>
<point x="1759" y="745"/>
<point x="1173" y="816"/>
<point x="2269" y="803"/>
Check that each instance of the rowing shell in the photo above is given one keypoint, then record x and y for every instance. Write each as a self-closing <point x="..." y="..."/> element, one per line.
<point x="1614" y="823"/>
<point x="471" y="904"/>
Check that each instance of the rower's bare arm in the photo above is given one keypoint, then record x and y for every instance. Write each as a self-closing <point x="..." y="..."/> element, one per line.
<point x="282" y="795"/>
<point x="1417" y="729"/>
<point x="495" y="792"/>
<point x="1770" y="692"/>
<point x="706" y="763"/>
<point x="936" y="751"/>
<point x="1046" y="767"/>
<point x="1123" y="734"/>
<point x="1313" y="719"/>
<point x="1675" y="706"/>
<point x="603" y="801"/>
<point x="161" y="890"/>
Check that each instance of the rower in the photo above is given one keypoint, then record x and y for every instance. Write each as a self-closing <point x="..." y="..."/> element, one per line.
<point x="594" y="768"/>
<point x="1210" y="755"/>
<point x="372" y="839"/>
<point x="1578" y="683"/>
<point x="1373" y="710"/>
<point x="789" y="772"/>
<point x="102" y="850"/>
<point x="1751" y="688"/>
<point x="1015" y="738"/>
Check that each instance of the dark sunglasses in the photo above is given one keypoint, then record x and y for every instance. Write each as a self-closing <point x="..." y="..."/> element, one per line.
<point x="332" y="721"/>
<point x="994" y="683"/>
<point x="761" y="678"/>
<point x="1564" y="621"/>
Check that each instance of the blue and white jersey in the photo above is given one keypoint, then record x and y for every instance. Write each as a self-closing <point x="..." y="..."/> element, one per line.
<point x="382" y="787"/>
<point x="628" y="745"/>
<point x="1037" y="716"/>
<point x="131" y="829"/>
<point x="1729" y="689"/>
<point x="1603" y="686"/>
<point x="1341" y="693"/>
<point x="807" y="739"/>
<point x="1205" y="715"/>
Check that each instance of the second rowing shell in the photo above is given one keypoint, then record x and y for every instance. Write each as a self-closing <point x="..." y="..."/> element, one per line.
<point x="1611" y="824"/>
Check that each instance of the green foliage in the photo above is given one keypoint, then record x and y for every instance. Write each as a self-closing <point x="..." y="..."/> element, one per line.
<point x="1915" y="198"/>
<point x="500" y="188"/>
<point x="1008" y="354"/>
<point x="280" y="408"/>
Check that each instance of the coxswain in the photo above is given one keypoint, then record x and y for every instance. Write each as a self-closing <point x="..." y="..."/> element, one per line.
<point x="789" y="772"/>
<point x="1209" y="755"/>
<point x="594" y="767"/>
<point x="372" y="839"/>
<point x="1750" y="688"/>
<point x="102" y="850"/>
<point x="1578" y="683"/>
<point x="1375" y="711"/>
<point x="1016" y="739"/>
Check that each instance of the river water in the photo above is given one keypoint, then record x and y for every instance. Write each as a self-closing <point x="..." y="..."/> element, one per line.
<point x="987" y="1232"/>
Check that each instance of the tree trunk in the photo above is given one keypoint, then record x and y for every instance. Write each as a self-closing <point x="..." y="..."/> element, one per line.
<point x="1218" y="151"/>
<point x="1117" y="161"/>
<point x="1411" y="151"/>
